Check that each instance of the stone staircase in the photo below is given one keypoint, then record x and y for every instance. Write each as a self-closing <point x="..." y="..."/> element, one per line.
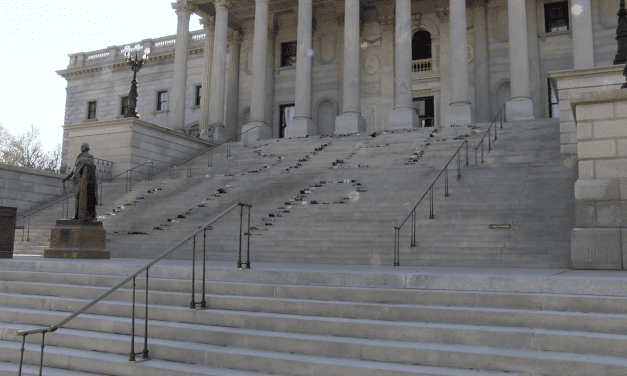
<point x="304" y="320"/>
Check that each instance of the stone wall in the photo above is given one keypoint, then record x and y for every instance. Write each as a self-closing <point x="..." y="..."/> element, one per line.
<point x="27" y="188"/>
<point x="130" y="142"/>
<point x="574" y="82"/>
<point x="599" y="240"/>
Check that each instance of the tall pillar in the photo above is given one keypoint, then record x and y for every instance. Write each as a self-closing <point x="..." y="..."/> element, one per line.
<point x="403" y="116"/>
<point x="218" y="67"/>
<point x="583" y="49"/>
<point x="302" y="124"/>
<point x="273" y="30"/>
<point x="181" y="52"/>
<point x="520" y="105"/>
<point x="258" y="104"/>
<point x="459" y="111"/>
<point x="482" y="72"/>
<point x="208" y="24"/>
<point x="351" y="121"/>
<point x="232" y="100"/>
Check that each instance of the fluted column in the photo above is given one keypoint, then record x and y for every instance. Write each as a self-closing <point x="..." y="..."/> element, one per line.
<point x="181" y="52"/>
<point x="232" y="100"/>
<point x="459" y="110"/>
<point x="208" y="24"/>
<point x="519" y="106"/>
<point x="302" y="124"/>
<point x="258" y="100"/>
<point x="403" y="115"/>
<point x="482" y="72"/>
<point x="583" y="49"/>
<point x="351" y="121"/>
<point x="218" y="67"/>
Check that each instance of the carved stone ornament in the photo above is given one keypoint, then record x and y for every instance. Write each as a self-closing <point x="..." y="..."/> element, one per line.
<point x="471" y="53"/>
<point x="225" y="4"/>
<point x="372" y="64"/>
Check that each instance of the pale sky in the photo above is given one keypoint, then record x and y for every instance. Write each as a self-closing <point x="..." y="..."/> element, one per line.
<point x="38" y="36"/>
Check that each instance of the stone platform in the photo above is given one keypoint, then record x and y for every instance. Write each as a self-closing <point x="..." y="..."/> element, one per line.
<point x="71" y="238"/>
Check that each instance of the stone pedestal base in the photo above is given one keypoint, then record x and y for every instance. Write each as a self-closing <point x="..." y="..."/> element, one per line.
<point x="74" y="239"/>
<point x="300" y="127"/>
<point x="219" y="133"/>
<point x="519" y="109"/>
<point x="263" y="131"/>
<point x="403" y="119"/>
<point x="350" y="123"/>
<point x="459" y="113"/>
<point x="599" y="248"/>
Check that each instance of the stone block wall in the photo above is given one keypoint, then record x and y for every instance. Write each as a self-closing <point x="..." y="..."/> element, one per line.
<point x="574" y="82"/>
<point x="28" y="188"/>
<point x="599" y="240"/>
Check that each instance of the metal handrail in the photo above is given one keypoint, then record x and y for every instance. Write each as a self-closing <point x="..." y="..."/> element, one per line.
<point x="501" y="115"/>
<point x="210" y="151"/>
<point x="145" y="268"/>
<point x="412" y="214"/>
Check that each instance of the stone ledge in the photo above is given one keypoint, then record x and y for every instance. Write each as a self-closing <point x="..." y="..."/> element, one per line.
<point x="597" y="248"/>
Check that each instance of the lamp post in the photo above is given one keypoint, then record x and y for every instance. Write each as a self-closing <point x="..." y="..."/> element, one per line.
<point x="135" y="63"/>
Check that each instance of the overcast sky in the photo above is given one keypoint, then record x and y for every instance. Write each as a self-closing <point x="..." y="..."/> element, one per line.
<point x="38" y="36"/>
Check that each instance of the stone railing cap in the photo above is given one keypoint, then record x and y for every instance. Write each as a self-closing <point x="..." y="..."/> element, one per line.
<point x="590" y="97"/>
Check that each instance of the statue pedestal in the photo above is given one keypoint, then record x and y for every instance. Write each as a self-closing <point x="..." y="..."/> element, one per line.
<point x="71" y="238"/>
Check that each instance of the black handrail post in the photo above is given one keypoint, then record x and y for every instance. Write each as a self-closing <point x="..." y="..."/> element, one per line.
<point x="19" y="372"/>
<point x="132" y="355"/>
<point x="431" y="208"/>
<point x="397" y="236"/>
<point x="241" y="215"/>
<point x="489" y="138"/>
<point x="482" y="151"/>
<point x="192" y="304"/>
<point x="211" y="158"/>
<point x="495" y="138"/>
<point x="446" y="181"/>
<point x="413" y="228"/>
<point x="459" y="165"/>
<point x="145" y="352"/>
<point x="28" y="231"/>
<point x="248" y="245"/>
<point x="41" y="357"/>
<point x="203" y="303"/>
<point x="466" y="141"/>
<point x="23" y="227"/>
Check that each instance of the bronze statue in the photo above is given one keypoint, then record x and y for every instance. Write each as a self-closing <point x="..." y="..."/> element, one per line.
<point x="85" y="186"/>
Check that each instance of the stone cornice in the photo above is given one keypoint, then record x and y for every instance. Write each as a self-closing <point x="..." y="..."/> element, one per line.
<point x="587" y="71"/>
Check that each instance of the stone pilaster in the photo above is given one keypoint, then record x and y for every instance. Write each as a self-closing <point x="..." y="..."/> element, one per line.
<point x="218" y="67"/>
<point x="208" y="24"/>
<point x="520" y="105"/>
<point x="302" y="124"/>
<point x="258" y="105"/>
<point x="459" y="111"/>
<point x="181" y="52"/>
<point x="482" y="72"/>
<point x="351" y="121"/>
<point x="583" y="49"/>
<point x="403" y="115"/>
<point x="235" y="43"/>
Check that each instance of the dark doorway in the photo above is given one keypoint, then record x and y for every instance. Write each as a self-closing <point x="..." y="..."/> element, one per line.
<point x="426" y="109"/>
<point x="421" y="45"/>
<point x="287" y="114"/>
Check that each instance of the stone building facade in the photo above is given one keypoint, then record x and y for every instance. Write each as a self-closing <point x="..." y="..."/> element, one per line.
<point x="293" y="67"/>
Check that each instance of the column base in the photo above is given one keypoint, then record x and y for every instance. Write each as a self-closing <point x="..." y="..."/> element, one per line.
<point x="519" y="109"/>
<point x="219" y="133"/>
<point x="263" y="132"/>
<point x="459" y="113"/>
<point x="300" y="127"/>
<point x="350" y="123"/>
<point x="403" y="118"/>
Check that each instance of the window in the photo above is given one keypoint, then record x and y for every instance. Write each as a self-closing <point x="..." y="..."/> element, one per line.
<point x="288" y="54"/>
<point x="556" y="17"/>
<point x="554" y="103"/>
<point x="198" y="94"/>
<point x="421" y="45"/>
<point x="124" y="106"/>
<point x="162" y="100"/>
<point x="91" y="110"/>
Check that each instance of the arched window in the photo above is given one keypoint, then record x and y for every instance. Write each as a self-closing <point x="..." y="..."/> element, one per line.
<point x="421" y="45"/>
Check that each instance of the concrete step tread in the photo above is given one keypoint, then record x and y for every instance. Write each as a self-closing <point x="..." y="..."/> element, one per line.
<point x="7" y="368"/>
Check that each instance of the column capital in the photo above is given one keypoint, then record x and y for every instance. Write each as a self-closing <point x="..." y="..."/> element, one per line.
<point x="235" y="37"/>
<point x="182" y="8"/>
<point x="222" y="4"/>
<point x="208" y="23"/>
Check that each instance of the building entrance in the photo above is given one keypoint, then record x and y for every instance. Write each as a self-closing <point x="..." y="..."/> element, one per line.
<point x="288" y="111"/>
<point x="424" y="106"/>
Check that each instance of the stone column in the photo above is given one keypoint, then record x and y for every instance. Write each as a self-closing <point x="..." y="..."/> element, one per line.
<point x="520" y="105"/>
<point x="258" y="100"/>
<point x="302" y="124"/>
<point x="181" y="52"/>
<point x="208" y="24"/>
<point x="403" y="116"/>
<point x="459" y="111"/>
<point x="273" y="30"/>
<point x="387" y="68"/>
<point x="482" y="72"/>
<point x="583" y="49"/>
<point x="351" y="121"/>
<point x="218" y="67"/>
<point x="232" y="108"/>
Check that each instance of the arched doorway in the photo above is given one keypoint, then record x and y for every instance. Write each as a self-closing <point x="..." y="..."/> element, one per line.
<point x="421" y="45"/>
<point x="326" y="117"/>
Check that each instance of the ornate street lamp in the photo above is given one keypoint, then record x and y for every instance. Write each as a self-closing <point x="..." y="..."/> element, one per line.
<point x="135" y="63"/>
